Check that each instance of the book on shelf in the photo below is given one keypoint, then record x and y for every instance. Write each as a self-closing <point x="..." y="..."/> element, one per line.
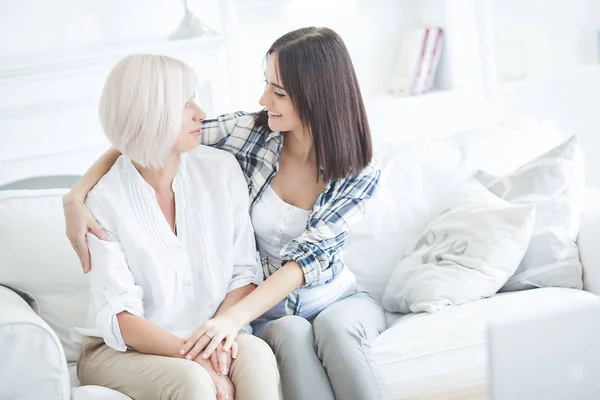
<point x="416" y="66"/>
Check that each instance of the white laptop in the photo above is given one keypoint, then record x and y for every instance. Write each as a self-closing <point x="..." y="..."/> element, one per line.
<point x="555" y="356"/>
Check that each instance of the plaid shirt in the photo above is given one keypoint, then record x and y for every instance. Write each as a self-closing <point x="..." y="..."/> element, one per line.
<point x="318" y="249"/>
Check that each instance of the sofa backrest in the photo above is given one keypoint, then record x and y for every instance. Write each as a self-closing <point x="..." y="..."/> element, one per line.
<point x="416" y="178"/>
<point x="37" y="261"/>
<point x="589" y="237"/>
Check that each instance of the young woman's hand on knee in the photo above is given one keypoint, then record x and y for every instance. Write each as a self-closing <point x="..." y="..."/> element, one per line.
<point x="223" y="384"/>
<point x="221" y="360"/>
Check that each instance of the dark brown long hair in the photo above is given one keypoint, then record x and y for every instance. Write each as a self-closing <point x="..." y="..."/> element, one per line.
<point x="318" y="75"/>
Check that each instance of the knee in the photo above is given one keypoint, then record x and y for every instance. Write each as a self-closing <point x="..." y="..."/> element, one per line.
<point x="331" y="327"/>
<point x="288" y="327"/>
<point x="288" y="332"/>
<point x="193" y="382"/>
<point x="255" y="350"/>
<point x="291" y="325"/>
<point x="254" y="372"/>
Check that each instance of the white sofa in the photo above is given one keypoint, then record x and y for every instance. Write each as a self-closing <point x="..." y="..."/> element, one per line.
<point x="426" y="356"/>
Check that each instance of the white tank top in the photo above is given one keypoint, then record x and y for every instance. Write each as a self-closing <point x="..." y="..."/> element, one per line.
<point x="276" y="223"/>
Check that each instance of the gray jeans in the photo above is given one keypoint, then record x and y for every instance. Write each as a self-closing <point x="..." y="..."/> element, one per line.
<point x="329" y="356"/>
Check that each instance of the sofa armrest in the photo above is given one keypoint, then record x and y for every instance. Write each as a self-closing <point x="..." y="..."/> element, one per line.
<point x="589" y="241"/>
<point x="33" y="362"/>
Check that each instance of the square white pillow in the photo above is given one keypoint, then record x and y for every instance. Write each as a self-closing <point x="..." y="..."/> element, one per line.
<point x="415" y="178"/>
<point x="554" y="183"/>
<point x="465" y="254"/>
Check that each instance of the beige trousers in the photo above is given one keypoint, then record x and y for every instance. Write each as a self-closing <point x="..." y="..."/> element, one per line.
<point x="144" y="376"/>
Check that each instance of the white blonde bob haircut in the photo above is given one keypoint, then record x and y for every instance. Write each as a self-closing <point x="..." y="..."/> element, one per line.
<point x="142" y="105"/>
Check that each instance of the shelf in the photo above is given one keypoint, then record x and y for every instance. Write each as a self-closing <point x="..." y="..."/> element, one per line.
<point x="94" y="57"/>
<point x="553" y="77"/>
<point x="432" y="96"/>
<point x="430" y="103"/>
<point x="432" y="114"/>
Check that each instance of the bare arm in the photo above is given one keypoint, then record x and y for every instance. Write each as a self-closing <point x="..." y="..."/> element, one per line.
<point x="221" y="360"/>
<point x="92" y="176"/>
<point x="145" y="337"/>
<point x="78" y="219"/>
<point x="234" y="297"/>
<point x="268" y="294"/>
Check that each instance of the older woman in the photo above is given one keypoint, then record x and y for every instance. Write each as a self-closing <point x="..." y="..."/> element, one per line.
<point x="178" y="247"/>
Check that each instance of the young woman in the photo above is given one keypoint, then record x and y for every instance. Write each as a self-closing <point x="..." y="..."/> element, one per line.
<point x="177" y="246"/>
<point x="307" y="162"/>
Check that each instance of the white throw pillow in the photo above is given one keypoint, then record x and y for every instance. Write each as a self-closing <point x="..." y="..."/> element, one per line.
<point x="554" y="183"/>
<point x="36" y="259"/>
<point x="415" y="178"/>
<point x="465" y="254"/>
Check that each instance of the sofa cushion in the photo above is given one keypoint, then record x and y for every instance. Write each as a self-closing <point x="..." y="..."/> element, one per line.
<point x="465" y="254"/>
<point x="36" y="259"/>
<point x="444" y="354"/>
<point x="415" y="176"/>
<point x="552" y="182"/>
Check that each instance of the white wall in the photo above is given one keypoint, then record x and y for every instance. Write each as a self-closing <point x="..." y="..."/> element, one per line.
<point x="572" y="103"/>
<point x="537" y="38"/>
<point x="54" y="57"/>
<point x="370" y="30"/>
<point x="546" y="57"/>
<point x="33" y="27"/>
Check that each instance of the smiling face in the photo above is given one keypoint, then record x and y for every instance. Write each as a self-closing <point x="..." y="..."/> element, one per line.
<point x="188" y="139"/>
<point x="283" y="116"/>
<point x="312" y="69"/>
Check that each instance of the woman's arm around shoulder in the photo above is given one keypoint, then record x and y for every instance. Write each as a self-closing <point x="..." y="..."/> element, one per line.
<point x="78" y="219"/>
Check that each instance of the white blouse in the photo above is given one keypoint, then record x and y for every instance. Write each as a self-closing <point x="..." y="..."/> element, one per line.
<point x="175" y="281"/>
